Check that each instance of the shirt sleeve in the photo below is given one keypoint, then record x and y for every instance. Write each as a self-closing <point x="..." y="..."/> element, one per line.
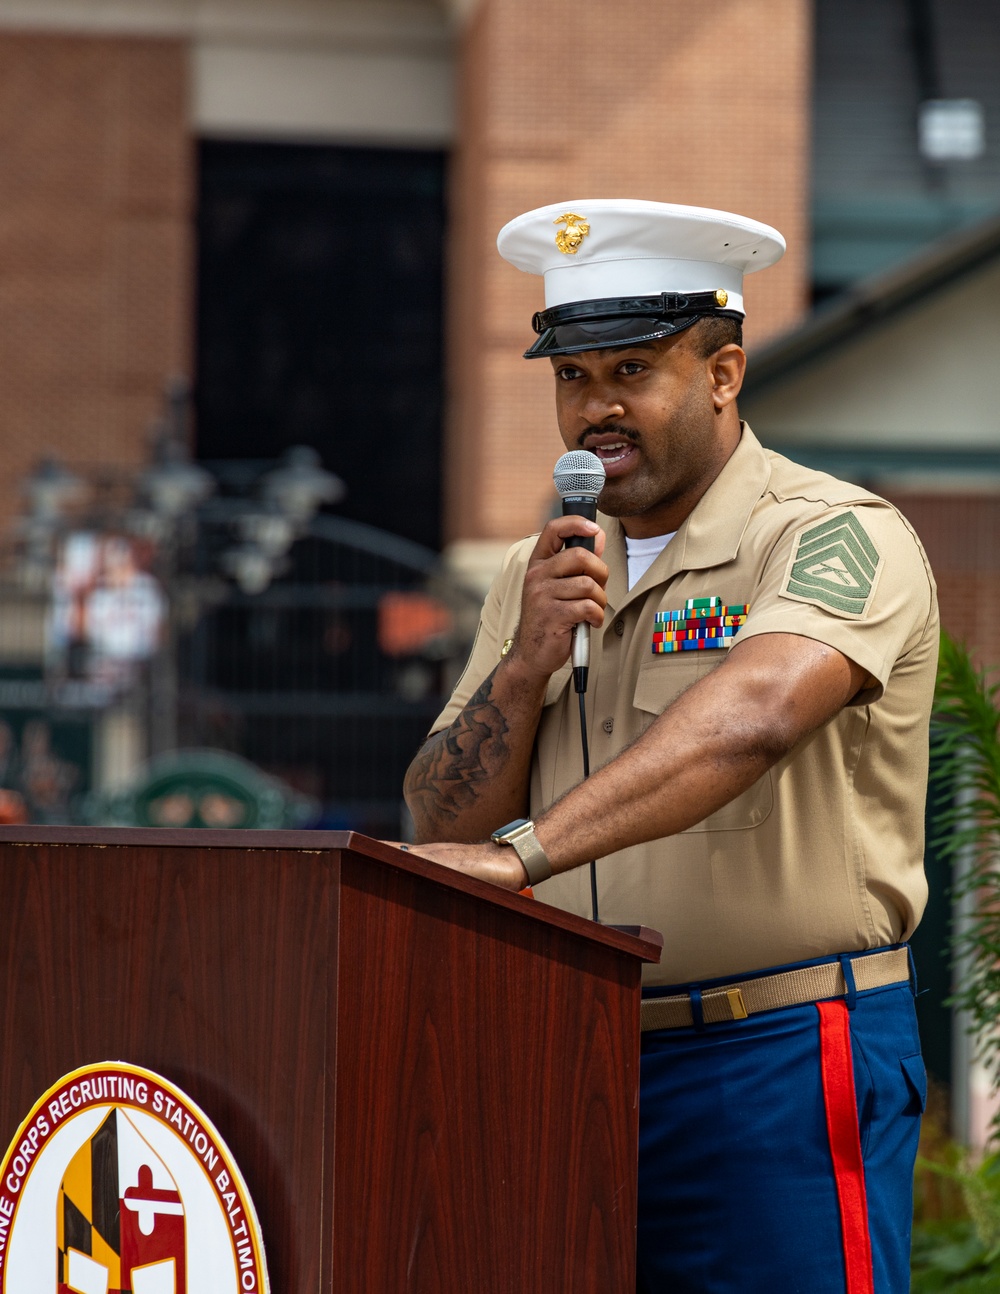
<point x="488" y="645"/>
<point x="855" y="578"/>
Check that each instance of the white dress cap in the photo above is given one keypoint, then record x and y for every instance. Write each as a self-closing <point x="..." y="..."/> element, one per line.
<point x="590" y="250"/>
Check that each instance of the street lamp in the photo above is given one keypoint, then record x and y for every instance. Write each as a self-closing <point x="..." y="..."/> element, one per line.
<point x="51" y="491"/>
<point x="175" y="504"/>
<point x="300" y="485"/>
<point x="290" y="496"/>
<point x="119" y="569"/>
<point x="174" y="485"/>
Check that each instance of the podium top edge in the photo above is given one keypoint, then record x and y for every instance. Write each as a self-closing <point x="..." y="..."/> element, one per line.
<point x="637" y="940"/>
<point x="184" y="837"/>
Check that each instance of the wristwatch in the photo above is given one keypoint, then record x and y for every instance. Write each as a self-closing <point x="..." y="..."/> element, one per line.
<point x="521" y="834"/>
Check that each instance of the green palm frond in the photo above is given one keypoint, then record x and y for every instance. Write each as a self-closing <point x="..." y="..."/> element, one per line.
<point x="966" y="743"/>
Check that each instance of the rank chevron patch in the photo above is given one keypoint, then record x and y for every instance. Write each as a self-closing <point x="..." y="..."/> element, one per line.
<point x="834" y="564"/>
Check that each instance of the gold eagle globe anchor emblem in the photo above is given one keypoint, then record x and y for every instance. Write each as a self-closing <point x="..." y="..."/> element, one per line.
<point x="569" y="240"/>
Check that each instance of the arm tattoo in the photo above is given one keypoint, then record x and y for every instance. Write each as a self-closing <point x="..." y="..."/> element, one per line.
<point x="448" y="771"/>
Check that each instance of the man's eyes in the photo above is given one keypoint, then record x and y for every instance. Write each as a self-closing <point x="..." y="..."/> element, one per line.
<point x="629" y="368"/>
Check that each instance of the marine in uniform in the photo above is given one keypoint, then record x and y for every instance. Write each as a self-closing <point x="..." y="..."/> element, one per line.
<point x="764" y="642"/>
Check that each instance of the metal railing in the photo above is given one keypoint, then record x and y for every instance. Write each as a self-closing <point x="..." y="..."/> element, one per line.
<point x="328" y="679"/>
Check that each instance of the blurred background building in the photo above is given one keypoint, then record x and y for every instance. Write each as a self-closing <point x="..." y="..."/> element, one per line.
<point x="232" y="230"/>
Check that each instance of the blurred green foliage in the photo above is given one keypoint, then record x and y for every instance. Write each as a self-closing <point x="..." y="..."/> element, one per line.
<point x="956" y="1232"/>
<point x="956" y="1229"/>
<point x="968" y="757"/>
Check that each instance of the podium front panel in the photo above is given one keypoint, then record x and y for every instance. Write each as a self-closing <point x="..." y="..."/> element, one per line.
<point x="428" y="1085"/>
<point x="487" y="1103"/>
<point x="211" y="967"/>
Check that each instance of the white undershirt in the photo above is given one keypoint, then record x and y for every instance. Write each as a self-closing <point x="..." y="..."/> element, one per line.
<point x="642" y="553"/>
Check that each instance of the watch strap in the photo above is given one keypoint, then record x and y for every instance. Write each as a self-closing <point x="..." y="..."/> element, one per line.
<point x="532" y="855"/>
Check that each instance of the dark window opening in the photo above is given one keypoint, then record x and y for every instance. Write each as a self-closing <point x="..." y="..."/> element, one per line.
<point x="320" y="318"/>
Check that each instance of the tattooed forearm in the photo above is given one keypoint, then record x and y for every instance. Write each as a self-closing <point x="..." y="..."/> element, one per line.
<point x="447" y="775"/>
<point x="475" y="775"/>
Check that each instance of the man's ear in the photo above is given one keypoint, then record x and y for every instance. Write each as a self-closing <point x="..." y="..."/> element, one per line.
<point x="727" y="367"/>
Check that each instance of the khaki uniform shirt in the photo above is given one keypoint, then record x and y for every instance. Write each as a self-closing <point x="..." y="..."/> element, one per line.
<point x="822" y="855"/>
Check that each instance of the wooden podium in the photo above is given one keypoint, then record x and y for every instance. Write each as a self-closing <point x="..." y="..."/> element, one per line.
<point x="428" y="1084"/>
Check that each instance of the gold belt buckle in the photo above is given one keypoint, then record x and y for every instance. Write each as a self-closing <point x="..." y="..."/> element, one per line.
<point x="736" y="1004"/>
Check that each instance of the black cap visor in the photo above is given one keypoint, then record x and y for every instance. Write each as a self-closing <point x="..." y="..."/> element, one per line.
<point x="601" y="324"/>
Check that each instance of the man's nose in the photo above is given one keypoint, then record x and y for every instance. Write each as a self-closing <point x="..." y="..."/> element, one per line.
<point x="602" y="405"/>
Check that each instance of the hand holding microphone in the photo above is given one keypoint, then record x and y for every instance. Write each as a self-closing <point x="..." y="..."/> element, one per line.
<point x="563" y="585"/>
<point x="579" y="479"/>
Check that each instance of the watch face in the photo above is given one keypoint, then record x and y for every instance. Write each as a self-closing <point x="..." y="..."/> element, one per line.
<point x="502" y="834"/>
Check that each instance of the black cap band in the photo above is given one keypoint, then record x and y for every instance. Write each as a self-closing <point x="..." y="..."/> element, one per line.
<point x="617" y="321"/>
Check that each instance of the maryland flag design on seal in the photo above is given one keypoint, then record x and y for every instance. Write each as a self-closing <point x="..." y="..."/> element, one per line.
<point x="120" y="1226"/>
<point x="117" y="1183"/>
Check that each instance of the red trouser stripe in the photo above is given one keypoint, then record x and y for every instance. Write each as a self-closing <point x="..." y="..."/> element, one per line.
<point x="845" y="1143"/>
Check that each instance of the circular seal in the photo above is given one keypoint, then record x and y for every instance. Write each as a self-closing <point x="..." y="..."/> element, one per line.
<point x="117" y="1181"/>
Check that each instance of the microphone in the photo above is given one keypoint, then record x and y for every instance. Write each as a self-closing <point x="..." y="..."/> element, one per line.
<point x="579" y="479"/>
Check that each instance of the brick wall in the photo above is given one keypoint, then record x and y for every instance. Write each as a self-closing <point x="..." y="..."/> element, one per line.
<point x="95" y="246"/>
<point x="961" y="534"/>
<point x="675" y="102"/>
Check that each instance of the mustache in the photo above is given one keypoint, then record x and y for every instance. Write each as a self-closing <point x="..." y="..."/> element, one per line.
<point x="627" y="433"/>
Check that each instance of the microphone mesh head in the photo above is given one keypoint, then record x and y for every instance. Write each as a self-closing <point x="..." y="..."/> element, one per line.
<point x="579" y="474"/>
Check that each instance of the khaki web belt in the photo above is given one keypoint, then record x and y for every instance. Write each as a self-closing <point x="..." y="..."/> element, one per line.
<point x="769" y="992"/>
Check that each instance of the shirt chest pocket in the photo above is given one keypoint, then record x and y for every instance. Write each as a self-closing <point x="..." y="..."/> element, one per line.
<point x="662" y="679"/>
<point x="660" y="682"/>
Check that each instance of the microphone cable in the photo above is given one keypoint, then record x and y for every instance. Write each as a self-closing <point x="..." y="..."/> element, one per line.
<point x="586" y="773"/>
